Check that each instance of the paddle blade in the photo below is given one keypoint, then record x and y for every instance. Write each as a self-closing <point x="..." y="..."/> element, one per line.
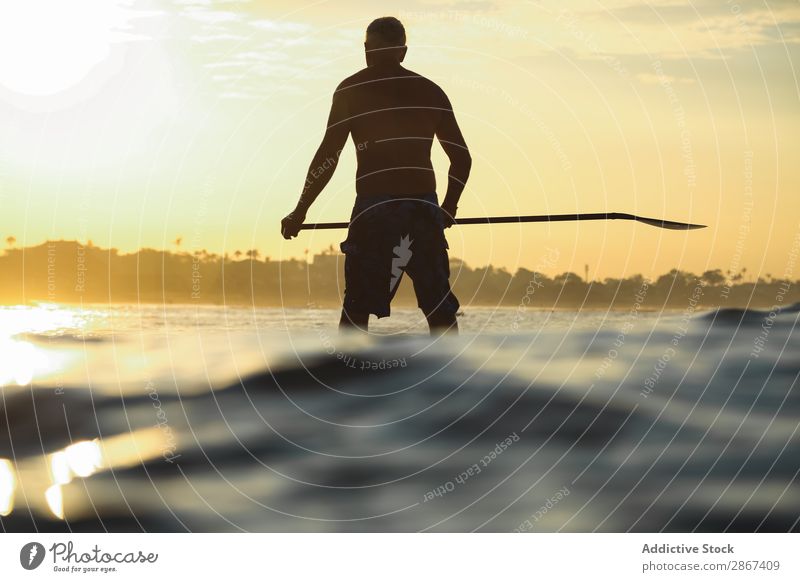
<point x="669" y="224"/>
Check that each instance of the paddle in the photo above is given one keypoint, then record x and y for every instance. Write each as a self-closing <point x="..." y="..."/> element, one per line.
<point x="668" y="224"/>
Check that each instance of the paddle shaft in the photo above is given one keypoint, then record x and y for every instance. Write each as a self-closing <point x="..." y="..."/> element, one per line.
<point x="537" y="218"/>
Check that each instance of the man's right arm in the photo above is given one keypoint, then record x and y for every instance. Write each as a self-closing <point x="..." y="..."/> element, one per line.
<point x="322" y="165"/>
<point x="449" y="135"/>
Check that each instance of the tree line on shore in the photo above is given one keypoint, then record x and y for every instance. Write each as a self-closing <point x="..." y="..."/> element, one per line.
<point x="71" y="272"/>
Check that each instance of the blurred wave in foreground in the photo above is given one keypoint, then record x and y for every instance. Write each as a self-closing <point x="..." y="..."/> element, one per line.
<point x="208" y="419"/>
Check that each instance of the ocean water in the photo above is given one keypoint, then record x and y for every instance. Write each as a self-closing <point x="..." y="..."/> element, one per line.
<point x="187" y="418"/>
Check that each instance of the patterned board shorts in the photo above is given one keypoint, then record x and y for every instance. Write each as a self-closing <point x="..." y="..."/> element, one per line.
<point x="391" y="236"/>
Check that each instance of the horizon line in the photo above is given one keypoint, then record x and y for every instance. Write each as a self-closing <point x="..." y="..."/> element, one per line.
<point x="256" y="255"/>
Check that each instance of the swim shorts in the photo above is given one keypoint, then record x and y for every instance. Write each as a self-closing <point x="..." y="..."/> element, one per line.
<point x="390" y="236"/>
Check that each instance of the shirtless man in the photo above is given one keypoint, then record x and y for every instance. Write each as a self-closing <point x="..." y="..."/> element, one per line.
<point x="397" y="224"/>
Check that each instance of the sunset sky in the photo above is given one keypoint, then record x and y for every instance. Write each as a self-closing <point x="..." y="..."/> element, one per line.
<point x="131" y="123"/>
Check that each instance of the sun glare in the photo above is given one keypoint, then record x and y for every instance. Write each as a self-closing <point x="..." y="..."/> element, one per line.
<point x="51" y="45"/>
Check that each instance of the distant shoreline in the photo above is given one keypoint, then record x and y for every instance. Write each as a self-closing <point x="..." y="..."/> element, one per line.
<point x="69" y="272"/>
<point x="99" y="305"/>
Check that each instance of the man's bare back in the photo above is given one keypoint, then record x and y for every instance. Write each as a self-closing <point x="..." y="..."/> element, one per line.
<point x="393" y="115"/>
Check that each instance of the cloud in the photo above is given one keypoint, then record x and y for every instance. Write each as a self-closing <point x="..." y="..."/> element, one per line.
<point x="653" y="79"/>
<point x="723" y="24"/>
<point x="219" y="37"/>
<point x="213" y="16"/>
<point x="679" y="12"/>
<point x="280" y="26"/>
<point x="243" y="53"/>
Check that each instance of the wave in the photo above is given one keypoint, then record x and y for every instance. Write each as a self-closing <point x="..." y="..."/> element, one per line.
<point x="745" y="316"/>
<point x="652" y="429"/>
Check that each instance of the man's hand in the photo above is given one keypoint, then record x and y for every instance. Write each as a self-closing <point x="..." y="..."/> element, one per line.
<point x="290" y="225"/>
<point x="448" y="215"/>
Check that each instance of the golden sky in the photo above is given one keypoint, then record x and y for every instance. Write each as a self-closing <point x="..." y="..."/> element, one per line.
<point x="131" y="123"/>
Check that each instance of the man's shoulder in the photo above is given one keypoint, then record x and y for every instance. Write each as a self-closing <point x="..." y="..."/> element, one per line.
<point x="366" y="75"/>
<point x="431" y="88"/>
<point x="354" y="80"/>
<point x="424" y="80"/>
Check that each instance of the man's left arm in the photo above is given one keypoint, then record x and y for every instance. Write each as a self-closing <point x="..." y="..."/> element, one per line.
<point x="322" y="165"/>
<point x="452" y="141"/>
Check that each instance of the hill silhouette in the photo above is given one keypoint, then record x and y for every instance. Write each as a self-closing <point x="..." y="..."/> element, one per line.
<point x="71" y="272"/>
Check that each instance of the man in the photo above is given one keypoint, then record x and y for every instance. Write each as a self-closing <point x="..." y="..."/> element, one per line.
<point x="397" y="225"/>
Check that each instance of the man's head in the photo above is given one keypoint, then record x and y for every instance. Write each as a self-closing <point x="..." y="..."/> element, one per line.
<point x="386" y="41"/>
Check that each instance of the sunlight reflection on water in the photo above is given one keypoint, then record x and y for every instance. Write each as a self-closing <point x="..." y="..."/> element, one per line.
<point x="50" y="480"/>
<point x="8" y="485"/>
<point x="21" y="361"/>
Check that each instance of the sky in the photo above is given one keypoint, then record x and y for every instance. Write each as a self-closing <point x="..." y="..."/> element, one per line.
<point x="132" y="123"/>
